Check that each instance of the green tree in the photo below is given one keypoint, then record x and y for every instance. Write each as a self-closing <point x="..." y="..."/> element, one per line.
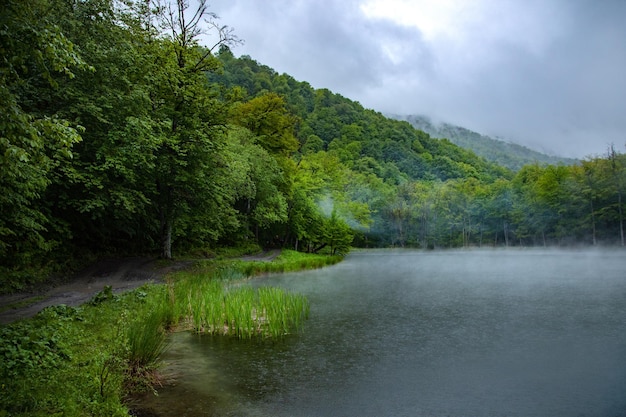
<point x="191" y="121"/>
<point x="268" y="118"/>
<point x="262" y="199"/>
<point x="33" y="141"/>
<point x="102" y="196"/>
<point x="618" y="178"/>
<point x="337" y="234"/>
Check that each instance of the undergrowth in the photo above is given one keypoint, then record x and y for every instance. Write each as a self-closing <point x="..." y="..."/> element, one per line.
<point x="83" y="361"/>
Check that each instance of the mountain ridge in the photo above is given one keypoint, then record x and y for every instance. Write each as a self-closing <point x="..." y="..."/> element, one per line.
<point x="508" y="154"/>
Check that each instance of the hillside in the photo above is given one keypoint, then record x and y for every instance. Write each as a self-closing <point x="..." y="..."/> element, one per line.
<point x="145" y="143"/>
<point x="510" y="155"/>
<point x="361" y="138"/>
<point x="418" y="184"/>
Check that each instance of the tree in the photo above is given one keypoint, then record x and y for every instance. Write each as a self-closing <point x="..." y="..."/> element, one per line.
<point x="33" y="141"/>
<point x="262" y="199"/>
<point x="191" y="119"/>
<point x="337" y="234"/>
<point x="268" y="118"/>
<point x="587" y="178"/>
<point x="618" y="173"/>
<point x="101" y="197"/>
<point x="533" y="212"/>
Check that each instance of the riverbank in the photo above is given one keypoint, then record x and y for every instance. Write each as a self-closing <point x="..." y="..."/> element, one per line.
<point x="400" y="332"/>
<point x="120" y="274"/>
<point x="75" y="359"/>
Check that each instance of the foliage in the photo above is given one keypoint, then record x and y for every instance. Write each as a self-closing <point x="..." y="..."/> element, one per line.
<point x="214" y="299"/>
<point x="146" y="343"/>
<point x="287" y="261"/>
<point x="509" y="155"/>
<point x="217" y="306"/>
<point x="124" y="134"/>
<point x="85" y="361"/>
<point x="66" y="360"/>
<point x="32" y="143"/>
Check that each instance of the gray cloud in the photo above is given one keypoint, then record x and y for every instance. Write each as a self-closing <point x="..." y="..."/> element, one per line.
<point x="547" y="74"/>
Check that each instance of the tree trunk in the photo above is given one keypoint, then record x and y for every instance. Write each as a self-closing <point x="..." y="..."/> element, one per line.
<point x="593" y="223"/>
<point x="166" y="239"/>
<point x="319" y="248"/>
<point x="506" y="235"/>
<point x="621" y="216"/>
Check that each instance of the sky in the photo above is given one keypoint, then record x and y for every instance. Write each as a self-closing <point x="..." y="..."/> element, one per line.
<point x="547" y="74"/>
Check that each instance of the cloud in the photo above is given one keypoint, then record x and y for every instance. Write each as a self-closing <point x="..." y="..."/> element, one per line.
<point x="545" y="73"/>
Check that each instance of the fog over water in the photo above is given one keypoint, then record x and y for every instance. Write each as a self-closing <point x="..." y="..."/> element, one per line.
<point x="411" y="333"/>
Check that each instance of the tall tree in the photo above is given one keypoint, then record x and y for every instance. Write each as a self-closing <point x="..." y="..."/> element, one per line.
<point x="618" y="174"/>
<point x="192" y="119"/>
<point x="33" y="140"/>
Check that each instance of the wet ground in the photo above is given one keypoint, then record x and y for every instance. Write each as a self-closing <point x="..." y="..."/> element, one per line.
<point x="121" y="274"/>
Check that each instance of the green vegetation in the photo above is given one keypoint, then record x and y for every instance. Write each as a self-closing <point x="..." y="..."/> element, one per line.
<point x="123" y="134"/>
<point x="397" y="186"/>
<point x="509" y="155"/>
<point x="287" y="261"/>
<point x="87" y="360"/>
<point x="219" y="308"/>
<point x="66" y="361"/>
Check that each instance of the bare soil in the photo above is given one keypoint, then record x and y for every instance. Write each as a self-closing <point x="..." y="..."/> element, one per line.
<point x="121" y="274"/>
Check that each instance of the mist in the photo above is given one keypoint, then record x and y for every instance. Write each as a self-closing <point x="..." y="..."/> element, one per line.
<point x="544" y="74"/>
<point x="521" y="332"/>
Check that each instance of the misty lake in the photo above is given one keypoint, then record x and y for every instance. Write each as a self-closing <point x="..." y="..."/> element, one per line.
<point x="413" y="333"/>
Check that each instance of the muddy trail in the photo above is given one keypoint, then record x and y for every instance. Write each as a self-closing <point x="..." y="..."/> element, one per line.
<point x="121" y="275"/>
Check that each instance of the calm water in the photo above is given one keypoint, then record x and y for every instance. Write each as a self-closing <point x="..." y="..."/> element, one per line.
<point x="408" y="333"/>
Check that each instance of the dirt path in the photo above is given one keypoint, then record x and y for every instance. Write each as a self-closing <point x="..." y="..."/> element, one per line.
<point x="121" y="274"/>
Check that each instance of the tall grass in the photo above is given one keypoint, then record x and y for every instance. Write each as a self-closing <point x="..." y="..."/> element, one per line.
<point x="287" y="261"/>
<point x="146" y="341"/>
<point x="83" y="361"/>
<point x="221" y="303"/>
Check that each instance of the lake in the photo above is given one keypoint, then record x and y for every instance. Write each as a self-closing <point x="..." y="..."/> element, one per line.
<point x="412" y="333"/>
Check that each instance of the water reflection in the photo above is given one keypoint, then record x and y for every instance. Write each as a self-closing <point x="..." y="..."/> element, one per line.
<point x="515" y="333"/>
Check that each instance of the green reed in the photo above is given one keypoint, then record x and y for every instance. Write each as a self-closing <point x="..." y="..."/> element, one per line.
<point x="146" y="341"/>
<point x="221" y="303"/>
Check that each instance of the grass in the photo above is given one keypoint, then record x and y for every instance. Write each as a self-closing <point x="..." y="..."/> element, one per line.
<point x="67" y="361"/>
<point x="84" y="361"/>
<point x="219" y="303"/>
<point x="287" y="261"/>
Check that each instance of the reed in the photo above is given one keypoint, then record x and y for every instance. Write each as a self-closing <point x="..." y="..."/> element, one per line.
<point x="287" y="261"/>
<point x="146" y="342"/>
<point x="214" y="299"/>
<point x="225" y="307"/>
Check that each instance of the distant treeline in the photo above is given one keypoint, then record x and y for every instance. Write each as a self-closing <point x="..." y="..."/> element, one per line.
<point x="121" y="134"/>
<point x="429" y="193"/>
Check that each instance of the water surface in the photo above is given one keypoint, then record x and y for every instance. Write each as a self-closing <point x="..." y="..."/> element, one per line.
<point x="410" y="333"/>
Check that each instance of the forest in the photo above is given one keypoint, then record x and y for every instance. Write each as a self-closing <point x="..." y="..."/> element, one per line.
<point x="497" y="150"/>
<point x="122" y="132"/>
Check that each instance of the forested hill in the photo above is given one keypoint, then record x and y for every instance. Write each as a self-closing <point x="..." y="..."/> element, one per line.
<point x="363" y="139"/>
<point x="121" y="134"/>
<point x="510" y="155"/>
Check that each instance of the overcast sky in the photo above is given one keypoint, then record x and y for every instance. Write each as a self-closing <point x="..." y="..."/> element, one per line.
<point x="548" y="74"/>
